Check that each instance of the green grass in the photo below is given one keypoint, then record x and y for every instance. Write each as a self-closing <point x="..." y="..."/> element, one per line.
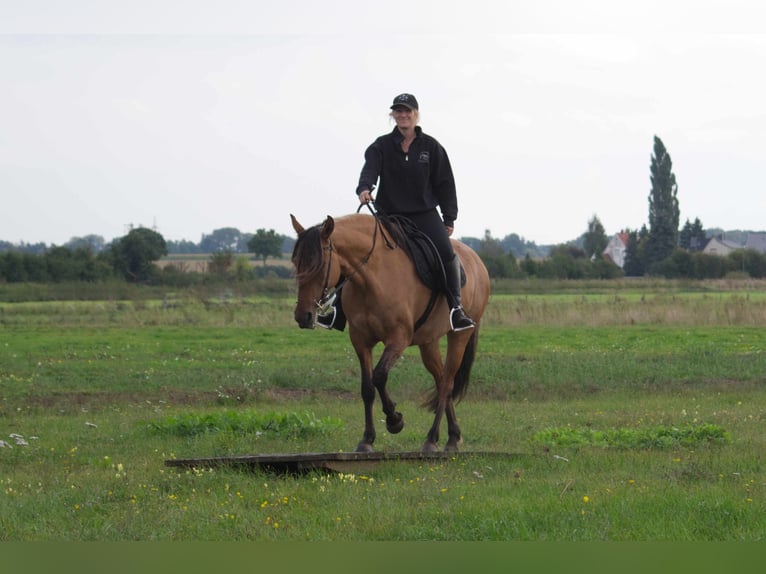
<point x="619" y="430"/>
<point x="296" y="425"/>
<point x="655" y="437"/>
<point x="43" y="363"/>
<point x="101" y="476"/>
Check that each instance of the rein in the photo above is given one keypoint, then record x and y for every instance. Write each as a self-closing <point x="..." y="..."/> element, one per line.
<point x="330" y="293"/>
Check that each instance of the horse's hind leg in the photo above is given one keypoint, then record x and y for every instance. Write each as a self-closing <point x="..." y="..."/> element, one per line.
<point x="454" y="436"/>
<point x="444" y="407"/>
<point x="432" y="360"/>
<point x="441" y="402"/>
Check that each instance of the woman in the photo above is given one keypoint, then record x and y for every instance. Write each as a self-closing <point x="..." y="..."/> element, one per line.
<point x="415" y="179"/>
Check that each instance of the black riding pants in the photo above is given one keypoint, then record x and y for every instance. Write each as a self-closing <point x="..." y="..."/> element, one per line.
<point x="430" y="223"/>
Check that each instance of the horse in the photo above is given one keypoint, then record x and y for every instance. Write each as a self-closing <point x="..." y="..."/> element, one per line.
<point x="383" y="300"/>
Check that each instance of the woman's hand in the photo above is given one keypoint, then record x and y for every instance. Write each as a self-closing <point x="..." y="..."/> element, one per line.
<point x="365" y="196"/>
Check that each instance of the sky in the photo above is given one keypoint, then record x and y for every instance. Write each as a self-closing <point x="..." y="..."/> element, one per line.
<point x="190" y="116"/>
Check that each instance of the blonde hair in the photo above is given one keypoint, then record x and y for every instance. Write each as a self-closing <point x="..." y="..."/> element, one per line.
<point x="415" y="113"/>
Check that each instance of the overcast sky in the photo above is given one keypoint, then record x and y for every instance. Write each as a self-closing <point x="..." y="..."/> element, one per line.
<point x="191" y="116"/>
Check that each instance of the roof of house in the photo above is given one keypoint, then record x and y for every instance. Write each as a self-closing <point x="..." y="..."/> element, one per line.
<point x="756" y="241"/>
<point x="725" y="242"/>
<point x="623" y="237"/>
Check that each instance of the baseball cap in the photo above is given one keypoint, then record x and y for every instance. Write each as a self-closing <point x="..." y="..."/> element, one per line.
<point x="406" y="100"/>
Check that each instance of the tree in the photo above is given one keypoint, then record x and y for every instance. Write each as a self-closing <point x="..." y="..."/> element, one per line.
<point x="135" y="253"/>
<point x="498" y="263"/>
<point x="529" y="266"/>
<point x="566" y="261"/>
<point x="183" y="246"/>
<point x="663" y="207"/>
<point x="265" y="244"/>
<point x="220" y="262"/>
<point x="17" y="267"/>
<point x="95" y="243"/>
<point x="635" y="261"/>
<point x="520" y="247"/>
<point x="223" y="239"/>
<point x="692" y="236"/>
<point x="489" y="246"/>
<point x="595" y="240"/>
<point x="244" y="239"/>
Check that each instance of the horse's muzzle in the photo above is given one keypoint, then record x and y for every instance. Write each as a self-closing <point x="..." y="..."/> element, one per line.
<point x="304" y="320"/>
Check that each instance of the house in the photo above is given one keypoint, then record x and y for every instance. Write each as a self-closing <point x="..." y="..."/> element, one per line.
<point x="615" y="249"/>
<point x="721" y="247"/>
<point x="756" y="242"/>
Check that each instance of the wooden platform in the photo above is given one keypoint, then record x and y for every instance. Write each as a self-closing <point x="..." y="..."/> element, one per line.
<point x="330" y="461"/>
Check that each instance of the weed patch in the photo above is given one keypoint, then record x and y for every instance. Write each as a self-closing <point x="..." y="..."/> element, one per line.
<point x="658" y="437"/>
<point x="288" y="425"/>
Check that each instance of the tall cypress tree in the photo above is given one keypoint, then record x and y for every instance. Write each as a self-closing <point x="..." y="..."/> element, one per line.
<point x="664" y="213"/>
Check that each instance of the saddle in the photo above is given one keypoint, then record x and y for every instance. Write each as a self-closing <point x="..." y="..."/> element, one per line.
<point x="422" y="251"/>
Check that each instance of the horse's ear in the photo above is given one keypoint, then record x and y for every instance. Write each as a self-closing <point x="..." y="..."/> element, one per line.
<point x="297" y="226"/>
<point x="327" y="228"/>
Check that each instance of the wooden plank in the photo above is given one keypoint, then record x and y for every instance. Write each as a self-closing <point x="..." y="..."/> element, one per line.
<point x="298" y="463"/>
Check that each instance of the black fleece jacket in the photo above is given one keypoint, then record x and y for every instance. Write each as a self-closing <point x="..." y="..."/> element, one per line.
<point x="412" y="182"/>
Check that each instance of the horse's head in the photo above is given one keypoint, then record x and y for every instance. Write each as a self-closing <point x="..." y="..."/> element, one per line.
<point x="316" y="270"/>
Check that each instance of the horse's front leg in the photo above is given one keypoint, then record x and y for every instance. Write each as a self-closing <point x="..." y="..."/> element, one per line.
<point x="391" y="353"/>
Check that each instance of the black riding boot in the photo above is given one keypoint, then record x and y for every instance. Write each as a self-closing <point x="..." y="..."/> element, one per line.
<point x="458" y="320"/>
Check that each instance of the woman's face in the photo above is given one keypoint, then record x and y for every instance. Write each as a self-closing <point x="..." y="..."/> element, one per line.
<point x="404" y="117"/>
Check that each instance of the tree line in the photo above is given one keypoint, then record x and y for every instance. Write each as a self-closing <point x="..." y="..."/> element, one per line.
<point x="133" y="258"/>
<point x="223" y="239"/>
<point x="658" y="249"/>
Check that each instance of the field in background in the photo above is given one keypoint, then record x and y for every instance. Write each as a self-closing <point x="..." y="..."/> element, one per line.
<point x="198" y="262"/>
<point x="96" y="395"/>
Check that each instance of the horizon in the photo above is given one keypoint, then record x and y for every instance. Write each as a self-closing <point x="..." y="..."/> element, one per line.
<point x="716" y="231"/>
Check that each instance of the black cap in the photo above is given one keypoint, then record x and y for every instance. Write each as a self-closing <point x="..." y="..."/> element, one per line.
<point x="406" y="100"/>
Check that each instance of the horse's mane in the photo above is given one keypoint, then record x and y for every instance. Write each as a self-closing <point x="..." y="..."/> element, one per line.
<point x="307" y="253"/>
<point x="308" y="256"/>
<point x="396" y="226"/>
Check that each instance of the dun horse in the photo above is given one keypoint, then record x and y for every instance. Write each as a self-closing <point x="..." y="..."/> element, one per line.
<point x="383" y="299"/>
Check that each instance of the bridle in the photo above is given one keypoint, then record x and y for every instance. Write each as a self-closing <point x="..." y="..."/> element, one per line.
<point x="330" y="293"/>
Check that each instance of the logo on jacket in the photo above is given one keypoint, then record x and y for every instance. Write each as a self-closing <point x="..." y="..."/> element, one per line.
<point x="424" y="157"/>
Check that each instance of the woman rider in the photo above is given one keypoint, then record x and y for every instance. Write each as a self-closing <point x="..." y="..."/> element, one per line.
<point x="415" y="179"/>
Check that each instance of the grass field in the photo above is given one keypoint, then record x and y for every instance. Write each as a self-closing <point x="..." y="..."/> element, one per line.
<point x="630" y="413"/>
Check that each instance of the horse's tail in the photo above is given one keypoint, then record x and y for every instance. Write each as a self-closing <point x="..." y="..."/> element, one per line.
<point x="463" y="375"/>
<point x="464" y="372"/>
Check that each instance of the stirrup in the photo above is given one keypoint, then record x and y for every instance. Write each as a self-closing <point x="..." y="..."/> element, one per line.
<point x="461" y="322"/>
<point x="326" y="318"/>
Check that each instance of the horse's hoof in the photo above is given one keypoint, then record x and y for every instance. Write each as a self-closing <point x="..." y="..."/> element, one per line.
<point x="395" y="423"/>
<point x="363" y="447"/>
<point x="429" y="447"/>
<point x="451" y="447"/>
